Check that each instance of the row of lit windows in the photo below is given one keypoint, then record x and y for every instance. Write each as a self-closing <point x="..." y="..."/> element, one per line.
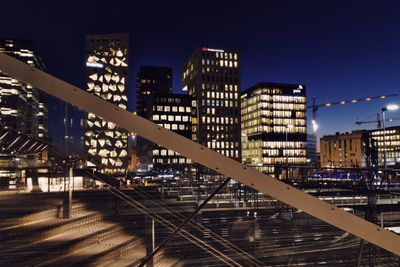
<point x="226" y="55"/>
<point x="274" y="114"/>
<point x="221" y="95"/>
<point x="288" y="99"/>
<point x="284" y="152"/>
<point x="219" y="136"/>
<point x="268" y="106"/>
<point x="164" y="152"/>
<point x="388" y="144"/>
<point x="387" y="137"/>
<point x="225" y="87"/>
<point x="218" y="128"/>
<point x="219" y="103"/>
<point x="175" y="127"/>
<point x="221" y="63"/>
<point x="268" y="121"/>
<point x="276" y="107"/>
<point x="273" y="144"/>
<point x="222" y="120"/>
<point x="263" y="91"/>
<point x="224" y="145"/>
<point x="273" y="129"/>
<point x="220" y="73"/>
<point x="172" y="160"/>
<point x="227" y="152"/>
<point x="273" y="98"/>
<point x="290" y="106"/>
<point x="275" y="160"/>
<point x="171" y="118"/>
<point x="387" y="132"/>
<point x="172" y="109"/>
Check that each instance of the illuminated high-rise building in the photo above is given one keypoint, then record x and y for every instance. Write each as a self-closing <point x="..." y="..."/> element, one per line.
<point x="22" y="107"/>
<point x="274" y="129"/>
<point x="212" y="78"/>
<point x="107" y="77"/>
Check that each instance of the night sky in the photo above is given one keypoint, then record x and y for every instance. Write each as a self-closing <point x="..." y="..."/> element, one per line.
<point x="339" y="49"/>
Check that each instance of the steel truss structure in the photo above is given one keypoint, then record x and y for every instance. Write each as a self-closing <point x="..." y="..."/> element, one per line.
<point x="202" y="155"/>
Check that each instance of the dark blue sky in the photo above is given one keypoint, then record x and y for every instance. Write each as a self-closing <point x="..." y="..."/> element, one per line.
<point x="339" y="49"/>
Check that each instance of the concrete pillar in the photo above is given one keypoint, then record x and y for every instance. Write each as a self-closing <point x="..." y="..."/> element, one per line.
<point x="35" y="182"/>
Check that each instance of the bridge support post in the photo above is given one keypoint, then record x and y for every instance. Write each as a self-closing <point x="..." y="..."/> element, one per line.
<point x="150" y="238"/>
<point x="68" y="198"/>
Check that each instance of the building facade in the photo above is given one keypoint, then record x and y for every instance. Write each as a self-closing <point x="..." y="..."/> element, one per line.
<point x="274" y="129"/>
<point x="173" y="112"/>
<point x="346" y="150"/>
<point x="22" y="107"/>
<point x="107" y="77"/>
<point x="388" y="144"/>
<point x="151" y="80"/>
<point x="212" y="78"/>
<point x="312" y="154"/>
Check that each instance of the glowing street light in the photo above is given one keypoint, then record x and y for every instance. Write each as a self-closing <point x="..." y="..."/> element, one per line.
<point x="391" y="107"/>
<point x="314" y="125"/>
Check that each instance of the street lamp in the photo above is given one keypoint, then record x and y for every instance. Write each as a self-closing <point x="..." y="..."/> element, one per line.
<point x="287" y="127"/>
<point x="390" y="107"/>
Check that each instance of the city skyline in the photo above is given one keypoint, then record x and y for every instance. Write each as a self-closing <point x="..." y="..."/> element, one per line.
<point x="183" y="133"/>
<point x="342" y="48"/>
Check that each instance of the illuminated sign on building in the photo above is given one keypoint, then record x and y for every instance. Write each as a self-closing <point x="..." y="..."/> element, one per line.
<point x="94" y="65"/>
<point x="212" y="50"/>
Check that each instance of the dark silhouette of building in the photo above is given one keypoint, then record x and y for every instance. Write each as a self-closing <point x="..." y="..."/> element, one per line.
<point x="150" y="80"/>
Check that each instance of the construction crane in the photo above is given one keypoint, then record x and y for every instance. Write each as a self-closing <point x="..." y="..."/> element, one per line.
<point x="315" y="107"/>
<point x="378" y="121"/>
